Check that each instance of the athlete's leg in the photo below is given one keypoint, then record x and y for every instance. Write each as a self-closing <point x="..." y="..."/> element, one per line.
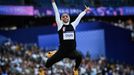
<point x="78" y="59"/>
<point x="77" y="56"/>
<point x="59" y="55"/>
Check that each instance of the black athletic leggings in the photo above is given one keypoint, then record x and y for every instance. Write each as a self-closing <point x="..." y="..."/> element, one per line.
<point x="61" y="54"/>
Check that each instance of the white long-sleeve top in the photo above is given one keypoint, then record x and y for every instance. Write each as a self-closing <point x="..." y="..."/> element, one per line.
<point x="60" y="23"/>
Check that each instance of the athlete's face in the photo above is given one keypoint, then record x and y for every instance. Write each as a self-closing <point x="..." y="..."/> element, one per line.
<point x="65" y="18"/>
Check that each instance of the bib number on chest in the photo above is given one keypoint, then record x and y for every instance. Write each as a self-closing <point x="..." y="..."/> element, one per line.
<point x="68" y="36"/>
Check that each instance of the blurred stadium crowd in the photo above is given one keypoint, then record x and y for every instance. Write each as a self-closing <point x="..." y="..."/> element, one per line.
<point x="29" y="59"/>
<point x="122" y="23"/>
<point x="127" y="24"/>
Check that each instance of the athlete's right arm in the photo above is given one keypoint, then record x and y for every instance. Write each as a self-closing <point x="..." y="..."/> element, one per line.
<point x="57" y="15"/>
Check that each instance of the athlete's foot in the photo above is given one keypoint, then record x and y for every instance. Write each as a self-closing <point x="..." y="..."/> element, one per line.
<point x="51" y="53"/>
<point x="75" y="72"/>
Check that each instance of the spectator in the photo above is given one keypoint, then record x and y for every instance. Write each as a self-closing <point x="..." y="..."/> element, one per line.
<point x="14" y="64"/>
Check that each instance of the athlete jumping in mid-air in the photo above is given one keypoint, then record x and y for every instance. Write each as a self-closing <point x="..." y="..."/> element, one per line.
<point x="67" y="37"/>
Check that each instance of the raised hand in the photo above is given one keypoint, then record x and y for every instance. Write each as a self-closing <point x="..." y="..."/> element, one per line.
<point x="53" y="0"/>
<point x="87" y="9"/>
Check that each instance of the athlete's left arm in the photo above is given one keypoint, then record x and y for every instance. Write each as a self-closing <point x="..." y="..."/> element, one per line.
<point x="77" y="20"/>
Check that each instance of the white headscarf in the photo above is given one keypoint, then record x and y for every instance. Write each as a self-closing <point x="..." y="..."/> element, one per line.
<point x="68" y="20"/>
